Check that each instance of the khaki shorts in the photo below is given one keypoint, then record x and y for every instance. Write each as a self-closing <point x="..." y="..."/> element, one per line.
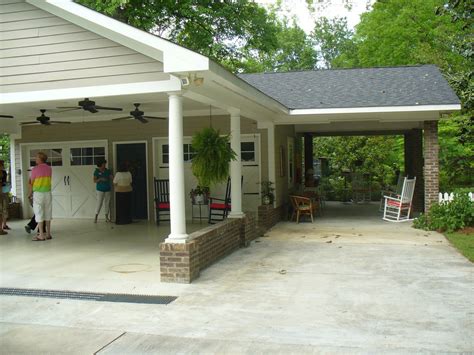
<point x="42" y="206"/>
<point x="3" y="205"/>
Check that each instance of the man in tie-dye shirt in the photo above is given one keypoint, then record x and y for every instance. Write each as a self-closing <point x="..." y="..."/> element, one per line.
<point x="40" y="188"/>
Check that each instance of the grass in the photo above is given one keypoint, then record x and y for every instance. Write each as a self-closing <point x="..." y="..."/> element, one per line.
<point x="464" y="242"/>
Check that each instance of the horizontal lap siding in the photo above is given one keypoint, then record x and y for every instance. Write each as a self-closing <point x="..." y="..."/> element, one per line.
<point x="39" y="51"/>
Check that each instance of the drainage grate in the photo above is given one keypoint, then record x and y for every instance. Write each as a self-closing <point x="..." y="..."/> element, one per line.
<point x="87" y="296"/>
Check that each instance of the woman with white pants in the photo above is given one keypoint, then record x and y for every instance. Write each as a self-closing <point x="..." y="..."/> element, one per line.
<point x="103" y="180"/>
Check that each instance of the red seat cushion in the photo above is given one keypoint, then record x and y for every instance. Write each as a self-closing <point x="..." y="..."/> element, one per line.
<point x="219" y="206"/>
<point x="397" y="203"/>
<point x="163" y="206"/>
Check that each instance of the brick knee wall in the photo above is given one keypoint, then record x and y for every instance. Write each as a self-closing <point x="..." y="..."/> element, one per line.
<point x="183" y="262"/>
<point x="268" y="216"/>
<point x="431" y="168"/>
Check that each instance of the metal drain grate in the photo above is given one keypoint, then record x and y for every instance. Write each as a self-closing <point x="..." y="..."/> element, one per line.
<point x="87" y="296"/>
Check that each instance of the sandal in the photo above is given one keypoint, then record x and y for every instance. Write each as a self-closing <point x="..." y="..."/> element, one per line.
<point x="36" y="239"/>
<point x="50" y="237"/>
<point x="3" y="233"/>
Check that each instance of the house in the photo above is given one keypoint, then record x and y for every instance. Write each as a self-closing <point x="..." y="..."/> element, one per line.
<point x="61" y="54"/>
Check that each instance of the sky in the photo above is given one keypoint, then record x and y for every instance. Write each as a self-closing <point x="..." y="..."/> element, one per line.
<point x="324" y="8"/>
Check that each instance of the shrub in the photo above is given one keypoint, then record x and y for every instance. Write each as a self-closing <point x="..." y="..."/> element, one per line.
<point x="450" y="216"/>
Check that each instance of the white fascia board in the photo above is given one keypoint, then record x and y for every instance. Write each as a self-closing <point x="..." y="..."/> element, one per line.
<point x="239" y="86"/>
<point x="174" y="57"/>
<point x="381" y="109"/>
<point x="91" y="91"/>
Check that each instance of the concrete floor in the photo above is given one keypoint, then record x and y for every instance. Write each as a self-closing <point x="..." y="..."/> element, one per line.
<point x="347" y="283"/>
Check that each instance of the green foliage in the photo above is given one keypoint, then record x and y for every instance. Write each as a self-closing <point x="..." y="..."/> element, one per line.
<point x="456" y="155"/>
<point x="293" y="51"/>
<point x="381" y="156"/>
<point x="210" y="165"/>
<point x="5" y="149"/>
<point x="464" y="242"/>
<point x="450" y="216"/>
<point x="230" y="32"/>
<point x="332" y="37"/>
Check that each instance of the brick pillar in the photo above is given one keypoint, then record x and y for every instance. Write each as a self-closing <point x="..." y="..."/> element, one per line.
<point x="431" y="168"/>
<point x="414" y="165"/>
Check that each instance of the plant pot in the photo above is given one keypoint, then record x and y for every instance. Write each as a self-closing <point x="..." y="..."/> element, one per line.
<point x="267" y="200"/>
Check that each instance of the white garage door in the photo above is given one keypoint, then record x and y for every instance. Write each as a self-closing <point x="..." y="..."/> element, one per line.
<point x="73" y="166"/>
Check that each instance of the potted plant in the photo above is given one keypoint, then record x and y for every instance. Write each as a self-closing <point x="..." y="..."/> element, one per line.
<point x="199" y="195"/>
<point x="267" y="192"/>
<point x="210" y="164"/>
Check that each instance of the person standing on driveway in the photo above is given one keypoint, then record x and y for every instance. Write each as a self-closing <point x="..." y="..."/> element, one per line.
<point x="40" y="189"/>
<point x="103" y="180"/>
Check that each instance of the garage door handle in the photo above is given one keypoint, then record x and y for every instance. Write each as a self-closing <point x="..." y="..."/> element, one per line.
<point x="68" y="180"/>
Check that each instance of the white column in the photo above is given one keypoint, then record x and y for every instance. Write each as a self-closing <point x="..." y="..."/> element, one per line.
<point x="235" y="167"/>
<point x="176" y="170"/>
<point x="271" y="156"/>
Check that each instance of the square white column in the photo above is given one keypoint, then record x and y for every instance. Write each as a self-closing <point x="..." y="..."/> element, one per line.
<point x="235" y="167"/>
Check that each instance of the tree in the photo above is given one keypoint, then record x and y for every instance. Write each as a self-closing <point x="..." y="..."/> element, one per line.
<point x="229" y="32"/>
<point x="294" y="50"/>
<point x="332" y="37"/>
<point x="407" y="32"/>
<point x="5" y="149"/>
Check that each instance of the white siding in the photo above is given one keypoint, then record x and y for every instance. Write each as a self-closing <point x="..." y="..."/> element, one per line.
<point x="39" y="51"/>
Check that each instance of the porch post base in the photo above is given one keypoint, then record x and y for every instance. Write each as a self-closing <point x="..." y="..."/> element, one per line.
<point x="236" y="215"/>
<point x="177" y="238"/>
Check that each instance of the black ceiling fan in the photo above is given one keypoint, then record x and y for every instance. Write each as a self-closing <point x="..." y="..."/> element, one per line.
<point x="89" y="105"/>
<point x="139" y="115"/>
<point x="6" y="116"/>
<point x="44" y="120"/>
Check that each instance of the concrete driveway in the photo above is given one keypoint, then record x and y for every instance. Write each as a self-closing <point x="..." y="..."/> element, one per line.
<point x="352" y="284"/>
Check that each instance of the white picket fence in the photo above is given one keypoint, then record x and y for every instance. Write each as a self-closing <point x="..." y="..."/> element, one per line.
<point x="448" y="197"/>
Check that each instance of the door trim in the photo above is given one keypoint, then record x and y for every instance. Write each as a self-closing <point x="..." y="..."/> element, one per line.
<point x="114" y="153"/>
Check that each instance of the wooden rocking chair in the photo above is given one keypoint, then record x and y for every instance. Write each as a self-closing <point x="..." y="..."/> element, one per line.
<point x="398" y="208"/>
<point x="397" y="192"/>
<point x="219" y="208"/>
<point x="162" y="200"/>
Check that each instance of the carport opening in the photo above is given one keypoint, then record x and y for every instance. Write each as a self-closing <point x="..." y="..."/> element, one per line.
<point x="349" y="170"/>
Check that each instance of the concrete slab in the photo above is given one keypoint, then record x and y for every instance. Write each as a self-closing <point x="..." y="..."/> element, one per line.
<point x="381" y="287"/>
<point x="40" y="339"/>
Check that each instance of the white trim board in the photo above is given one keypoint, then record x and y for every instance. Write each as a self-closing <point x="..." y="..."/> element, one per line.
<point x="376" y="109"/>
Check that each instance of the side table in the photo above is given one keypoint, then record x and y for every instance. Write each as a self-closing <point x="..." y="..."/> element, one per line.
<point x="200" y="217"/>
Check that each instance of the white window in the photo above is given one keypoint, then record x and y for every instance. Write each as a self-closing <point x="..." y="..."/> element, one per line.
<point x="188" y="153"/>
<point x="86" y="156"/>
<point x="247" y="151"/>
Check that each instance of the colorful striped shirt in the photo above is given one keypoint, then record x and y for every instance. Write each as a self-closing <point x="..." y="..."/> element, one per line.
<point x="41" y="178"/>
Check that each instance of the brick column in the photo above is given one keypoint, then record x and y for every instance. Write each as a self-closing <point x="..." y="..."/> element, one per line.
<point x="431" y="168"/>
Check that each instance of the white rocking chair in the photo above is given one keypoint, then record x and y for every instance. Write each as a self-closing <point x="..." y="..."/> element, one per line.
<point x="397" y="192"/>
<point x="398" y="208"/>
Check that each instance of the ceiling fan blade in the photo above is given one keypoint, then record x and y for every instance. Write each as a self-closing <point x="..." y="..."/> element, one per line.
<point x="121" y="118"/>
<point x="60" y="122"/>
<point x="109" y="108"/>
<point x="155" y="118"/>
<point x="6" y="116"/>
<point x="28" y="123"/>
<point x="70" y="107"/>
<point x="65" y="109"/>
<point x="141" y="119"/>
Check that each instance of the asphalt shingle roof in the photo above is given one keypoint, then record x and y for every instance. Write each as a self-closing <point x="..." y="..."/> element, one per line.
<point x="367" y="87"/>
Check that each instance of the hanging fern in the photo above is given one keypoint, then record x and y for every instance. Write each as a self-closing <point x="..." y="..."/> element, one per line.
<point x="213" y="154"/>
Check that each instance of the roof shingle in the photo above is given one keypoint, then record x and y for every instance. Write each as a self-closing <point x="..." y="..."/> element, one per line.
<point x="367" y="87"/>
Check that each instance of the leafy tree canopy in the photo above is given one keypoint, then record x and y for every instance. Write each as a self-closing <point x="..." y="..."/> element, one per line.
<point x="241" y="35"/>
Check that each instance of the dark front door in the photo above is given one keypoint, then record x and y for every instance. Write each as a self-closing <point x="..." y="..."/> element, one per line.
<point x="134" y="156"/>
